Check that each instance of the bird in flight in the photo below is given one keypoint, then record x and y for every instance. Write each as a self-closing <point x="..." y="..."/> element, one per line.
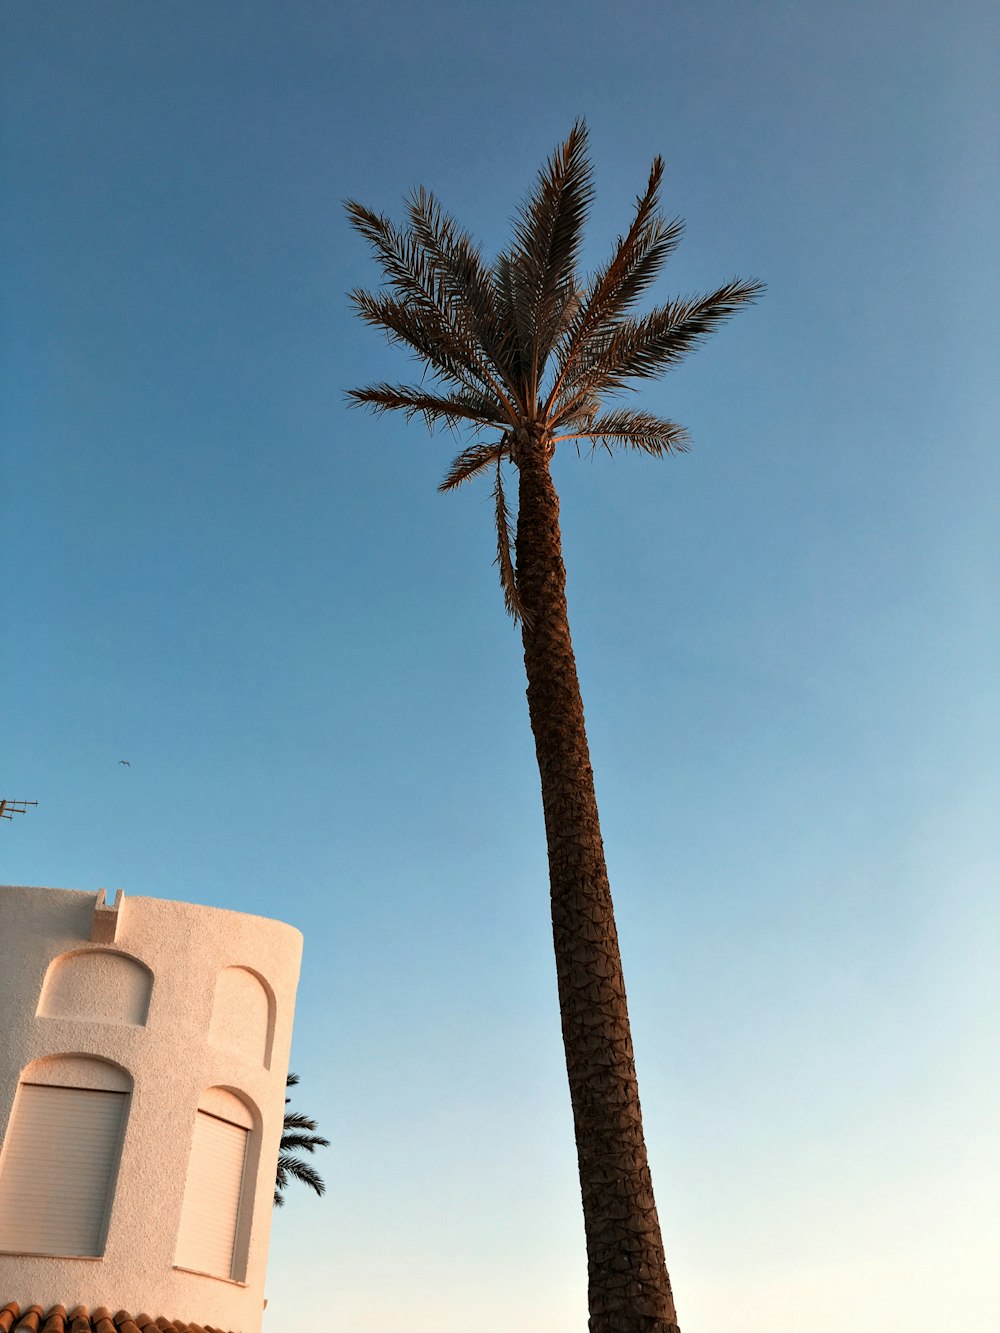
<point x="125" y="762"/>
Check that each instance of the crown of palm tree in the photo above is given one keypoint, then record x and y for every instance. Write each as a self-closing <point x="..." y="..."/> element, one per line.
<point x="525" y="348"/>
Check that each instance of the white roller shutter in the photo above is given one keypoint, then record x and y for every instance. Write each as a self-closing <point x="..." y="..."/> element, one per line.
<point x="58" y="1170"/>
<point x="211" y="1211"/>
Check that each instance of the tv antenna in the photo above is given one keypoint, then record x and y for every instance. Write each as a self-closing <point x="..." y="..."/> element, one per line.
<point x="9" y="807"/>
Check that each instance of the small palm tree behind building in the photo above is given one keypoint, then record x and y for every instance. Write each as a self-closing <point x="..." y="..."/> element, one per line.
<point x="298" y="1135"/>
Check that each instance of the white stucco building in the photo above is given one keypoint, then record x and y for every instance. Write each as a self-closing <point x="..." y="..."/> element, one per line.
<point x="143" y="1053"/>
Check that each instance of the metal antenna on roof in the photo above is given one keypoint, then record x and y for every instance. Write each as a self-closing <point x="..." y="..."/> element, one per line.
<point x="9" y="807"/>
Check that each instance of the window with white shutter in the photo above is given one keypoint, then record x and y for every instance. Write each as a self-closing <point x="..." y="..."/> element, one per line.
<point x="58" y="1169"/>
<point x="210" y="1217"/>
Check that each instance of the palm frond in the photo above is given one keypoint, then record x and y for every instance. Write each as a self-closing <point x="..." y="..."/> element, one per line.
<point x="459" y="268"/>
<point x="637" y="259"/>
<point x="471" y="461"/>
<point x="450" y="410"/>
<point x="402" y="258"/>
<point x="296" y="1120"/>
<point x="505" y="537"/>
<point x="307" y="1142"/>
<point x="516" y="337"/>
<point x="298" y="1170"/>
<point x="632" y="430"/>
<point x="410" y="274"/>
<point x="548" y="233"/>
<point x="296" y="1136"/>
<point x="431" y="311"/>
<point x="645" y="348"/>
<point x="280" y="1185"/>
<point x="435" y="337"/>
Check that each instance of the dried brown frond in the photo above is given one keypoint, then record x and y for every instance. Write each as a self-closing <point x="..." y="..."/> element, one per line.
<point x="471" y="461"/>
<point x="505" y="537"/>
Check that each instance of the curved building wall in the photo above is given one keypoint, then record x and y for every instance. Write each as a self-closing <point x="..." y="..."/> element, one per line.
<point x="190" y="1009"/>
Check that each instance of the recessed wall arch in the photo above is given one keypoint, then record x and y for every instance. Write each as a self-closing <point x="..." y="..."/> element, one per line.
<point x="217" y="1213"/>
<point x="242" y="1019"/>
<point x="60" y="1156"/>
<point x="76" y="1070"/>
<point x="97" y="986"/>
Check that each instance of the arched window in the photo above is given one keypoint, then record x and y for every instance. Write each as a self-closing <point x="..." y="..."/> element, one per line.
<point x="97" y="986"/>
<point x="243" y="1015"/>
<point x="60" y="1155"/>
<point x="214" y="1233"/>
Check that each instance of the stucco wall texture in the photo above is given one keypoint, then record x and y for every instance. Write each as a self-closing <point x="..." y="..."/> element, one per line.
<point x="172" y="1058"/>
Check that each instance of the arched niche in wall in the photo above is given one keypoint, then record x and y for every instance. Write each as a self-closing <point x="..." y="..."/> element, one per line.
<point x="96" y="986"/>
<point x="217" y="1214"/>
<point x="60" y="1155"/>
<point x="243" y="1015"/>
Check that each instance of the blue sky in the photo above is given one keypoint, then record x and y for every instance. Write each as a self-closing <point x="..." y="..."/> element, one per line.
<point x="787" y="638"/>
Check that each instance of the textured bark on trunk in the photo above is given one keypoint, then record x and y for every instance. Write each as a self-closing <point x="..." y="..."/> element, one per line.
<point x="629" y="1286"/>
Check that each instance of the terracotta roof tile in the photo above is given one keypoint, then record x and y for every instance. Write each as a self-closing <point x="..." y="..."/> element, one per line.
<point x="36" y="1319"/>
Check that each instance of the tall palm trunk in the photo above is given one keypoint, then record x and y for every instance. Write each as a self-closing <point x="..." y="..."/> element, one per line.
<point x="629" y="1285"/>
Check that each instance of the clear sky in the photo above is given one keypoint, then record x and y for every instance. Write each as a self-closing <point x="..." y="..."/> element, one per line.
<point x="787" y="638"/>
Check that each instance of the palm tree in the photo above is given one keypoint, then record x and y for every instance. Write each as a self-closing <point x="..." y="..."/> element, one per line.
<point x="297" y="1135"/>
<point x="523" y="352"/>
